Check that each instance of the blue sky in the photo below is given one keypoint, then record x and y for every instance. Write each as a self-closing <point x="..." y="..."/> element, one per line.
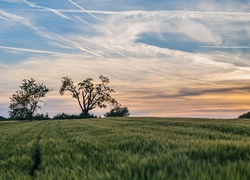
<point x="164" y="58"/>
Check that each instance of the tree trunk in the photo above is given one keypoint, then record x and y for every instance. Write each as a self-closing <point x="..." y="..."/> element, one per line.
<point x="85" y="113"/>
<point x="30" y="116"/>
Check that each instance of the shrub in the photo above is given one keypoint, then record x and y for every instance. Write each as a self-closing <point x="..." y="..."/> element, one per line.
<point x="245" y="115"/>
<point x="117" y="111"/>
<point x="41" y="117"/>
<point x="2" y="118"/>
<point x="72" y="116"/>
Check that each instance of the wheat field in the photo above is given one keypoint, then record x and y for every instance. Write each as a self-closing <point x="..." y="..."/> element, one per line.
<point x="126" y="148"/>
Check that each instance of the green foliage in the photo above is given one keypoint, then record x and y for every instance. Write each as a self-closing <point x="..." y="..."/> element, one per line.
<point x="24" y="103"/>
<point x="41" y="117"/>
<point x="126" y="148"/>
<point x="118" y="111"/>
<point x="17" y="141"/>
<point x="66" y="116"/>
<point x="89" y="95"/>
<point x="72" y="116"/>
<point x="2" y="118"/>
<point x="245" y="115"/>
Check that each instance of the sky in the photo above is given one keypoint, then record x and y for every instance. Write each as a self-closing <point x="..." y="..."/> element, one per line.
<point x="163" y="58"/>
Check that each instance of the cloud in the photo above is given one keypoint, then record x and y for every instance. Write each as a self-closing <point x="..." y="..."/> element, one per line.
<point x="196" y="26"/>
<point x="229" y="6"/>
<point x="199" y="92"/>
<point x="208" y="27"/>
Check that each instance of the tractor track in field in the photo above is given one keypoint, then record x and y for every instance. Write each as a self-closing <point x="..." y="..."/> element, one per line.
<point x="37" y="153"/>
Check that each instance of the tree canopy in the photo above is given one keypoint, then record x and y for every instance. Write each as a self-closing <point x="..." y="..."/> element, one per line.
<point x="88" y="94"/>
<point x="25" y="101"/>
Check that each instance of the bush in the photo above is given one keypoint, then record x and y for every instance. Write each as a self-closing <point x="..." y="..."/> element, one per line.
<point x="118" y="111"/>
<point x="2" y="118"/>
<point x="72" y="116"/>
<point x="245" y="115"/>
<point x="41" y="117"/>
<point x="65" y="116"/>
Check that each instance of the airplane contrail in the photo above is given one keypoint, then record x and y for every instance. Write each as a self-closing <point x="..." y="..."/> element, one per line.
<point x="3" y="18"/>
<point x="30" y="50"/>
<point x="84" y="10"/>
<point x="39" y="51"/>
<point x="46" y="8"/>
<point x="228" y="47"/>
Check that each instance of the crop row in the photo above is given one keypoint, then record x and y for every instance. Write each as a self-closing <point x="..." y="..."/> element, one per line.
<point x="17" y="148"/>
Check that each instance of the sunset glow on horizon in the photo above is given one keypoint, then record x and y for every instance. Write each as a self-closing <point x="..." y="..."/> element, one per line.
<point x="163" y="58"/>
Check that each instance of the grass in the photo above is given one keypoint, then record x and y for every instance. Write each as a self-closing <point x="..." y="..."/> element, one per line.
<point x="126" y="148"/>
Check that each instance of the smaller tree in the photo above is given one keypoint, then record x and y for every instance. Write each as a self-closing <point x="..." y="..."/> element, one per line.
<point x="24" y="103"/>
<point x="117" y="111"/>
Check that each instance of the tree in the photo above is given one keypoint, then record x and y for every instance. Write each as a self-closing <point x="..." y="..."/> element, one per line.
<point x="24" y="103"/>
<point x="88" y="94"/>
<point x="118" y="110"/>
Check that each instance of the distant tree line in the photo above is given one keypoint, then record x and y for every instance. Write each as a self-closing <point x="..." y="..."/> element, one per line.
<point x="25" y="102"/>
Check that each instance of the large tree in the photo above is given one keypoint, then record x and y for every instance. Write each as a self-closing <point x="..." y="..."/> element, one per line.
<point x="24" y="102"/>
<point x="88" y="94"/>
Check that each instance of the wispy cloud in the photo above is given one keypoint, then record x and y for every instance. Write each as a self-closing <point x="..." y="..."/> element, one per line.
<point x="200" y="92"/>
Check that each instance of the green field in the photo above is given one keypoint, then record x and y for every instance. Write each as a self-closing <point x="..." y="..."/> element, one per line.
<point x="125" y="148"/>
